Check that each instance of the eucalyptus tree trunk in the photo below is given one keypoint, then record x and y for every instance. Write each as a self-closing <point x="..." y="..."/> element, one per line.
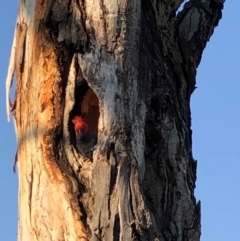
<point x="128" y="67"/>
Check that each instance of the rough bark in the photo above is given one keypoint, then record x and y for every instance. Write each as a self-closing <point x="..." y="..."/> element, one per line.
<point x="129" y="67"/>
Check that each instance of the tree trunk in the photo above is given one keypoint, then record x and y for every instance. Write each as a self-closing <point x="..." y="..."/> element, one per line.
<point x="128" y="67"/>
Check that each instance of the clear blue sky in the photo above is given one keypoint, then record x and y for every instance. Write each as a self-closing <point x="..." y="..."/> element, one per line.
<point x="216" y="135"/>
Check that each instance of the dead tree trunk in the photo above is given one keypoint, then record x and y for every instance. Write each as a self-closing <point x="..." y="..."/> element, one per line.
<point x="128" y="67"/>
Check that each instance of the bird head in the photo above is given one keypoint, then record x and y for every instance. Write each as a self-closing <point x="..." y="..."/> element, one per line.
<point x="80" y="126"/>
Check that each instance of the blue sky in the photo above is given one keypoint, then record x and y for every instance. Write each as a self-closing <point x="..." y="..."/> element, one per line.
<point x="215" y="123"/>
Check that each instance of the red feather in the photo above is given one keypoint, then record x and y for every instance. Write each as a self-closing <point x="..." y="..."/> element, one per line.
<point x="80" y="125"/>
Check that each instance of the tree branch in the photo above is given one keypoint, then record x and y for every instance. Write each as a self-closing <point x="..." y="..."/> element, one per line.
<point x="195" y="25"/>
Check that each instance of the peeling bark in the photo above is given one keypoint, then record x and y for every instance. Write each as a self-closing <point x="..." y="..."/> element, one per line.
<point x="129" y="68"/>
